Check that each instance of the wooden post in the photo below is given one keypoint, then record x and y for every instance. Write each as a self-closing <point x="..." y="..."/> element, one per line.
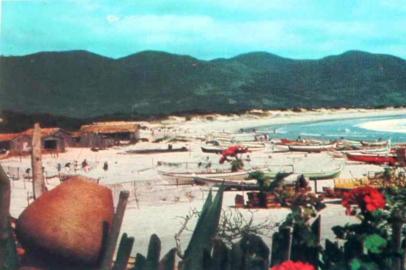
<point x="288" y="236"/>
<point x="38" y="184"/>
<point x="397" y="243"/>
<point x="111" y="242"/>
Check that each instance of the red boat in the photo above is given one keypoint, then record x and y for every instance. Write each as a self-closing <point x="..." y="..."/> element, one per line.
<point x="373" y="158"/>
<point x="287" y="142"/>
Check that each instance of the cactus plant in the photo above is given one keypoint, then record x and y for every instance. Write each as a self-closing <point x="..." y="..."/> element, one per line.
<point x="140" y="262"/>
<point x="123" y="253"/>
<point x="154" y="251"/>
<point x="168" y="262"/>
<point x="205" y="230"/>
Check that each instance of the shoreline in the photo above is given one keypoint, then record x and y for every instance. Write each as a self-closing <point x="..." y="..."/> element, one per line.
<point x="233" y="123"/>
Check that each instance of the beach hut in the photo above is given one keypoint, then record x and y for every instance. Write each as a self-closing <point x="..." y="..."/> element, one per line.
<point x="15" y="143"/>
<point x="106" y="134"/>
<point x="53" y="139"/>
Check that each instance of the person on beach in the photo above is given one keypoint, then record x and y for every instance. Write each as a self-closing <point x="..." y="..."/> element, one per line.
<point x="105" y="166"/>
<point x="75" y="166"/>
<point x="85" y="165"/>
<point x="28" y="172"/>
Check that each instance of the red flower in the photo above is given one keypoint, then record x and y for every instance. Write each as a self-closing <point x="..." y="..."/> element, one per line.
<point x="291" y="265"/>
<point x="232" y="151"/>
<point x="366" y="198"/>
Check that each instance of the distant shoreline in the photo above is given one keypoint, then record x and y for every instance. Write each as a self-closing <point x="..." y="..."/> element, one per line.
<point x="245" y="119"/>
<point x="256" y="118"/>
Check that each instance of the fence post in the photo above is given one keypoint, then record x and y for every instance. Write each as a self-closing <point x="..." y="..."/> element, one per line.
<point x="38" y="184"/>
<point x="111" y="241"/>
<point x="287" y="234"/>
<point x="397" y="242"/>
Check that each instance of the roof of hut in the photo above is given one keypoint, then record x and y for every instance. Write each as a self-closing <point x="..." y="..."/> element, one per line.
<point x="4" y="137"/>
<point x="44" y="131"/>
<point x="110" y="127"/>
<point x="75" y="134"/>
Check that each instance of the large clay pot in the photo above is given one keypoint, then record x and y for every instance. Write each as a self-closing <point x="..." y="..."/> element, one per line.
<point x="67" y="222"/>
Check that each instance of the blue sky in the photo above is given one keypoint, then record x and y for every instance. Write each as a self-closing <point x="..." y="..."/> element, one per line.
<point x="204" y="29"/>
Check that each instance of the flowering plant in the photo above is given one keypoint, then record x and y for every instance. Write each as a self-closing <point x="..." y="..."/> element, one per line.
<point x="367" y="243"/>
<point x="367" y="198"/>
<point x="291" y="265"/>
<point x="233" y="151"/>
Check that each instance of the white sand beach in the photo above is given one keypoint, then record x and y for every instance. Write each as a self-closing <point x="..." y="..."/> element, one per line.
<point x="157" y="207"/>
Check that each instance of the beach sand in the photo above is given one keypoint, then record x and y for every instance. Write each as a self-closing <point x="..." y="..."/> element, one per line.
<point x="155" y="206"/>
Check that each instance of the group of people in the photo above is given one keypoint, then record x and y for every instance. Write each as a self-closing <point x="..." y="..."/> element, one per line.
<point x="84" y="165"/>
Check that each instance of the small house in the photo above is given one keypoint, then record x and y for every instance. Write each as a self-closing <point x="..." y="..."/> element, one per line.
<point x="15" y="143"/>
<point x="106" y="134"/>
<point x="53" y="139"/>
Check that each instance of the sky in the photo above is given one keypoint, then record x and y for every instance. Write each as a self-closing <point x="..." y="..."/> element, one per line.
<point x="206" y="29"/>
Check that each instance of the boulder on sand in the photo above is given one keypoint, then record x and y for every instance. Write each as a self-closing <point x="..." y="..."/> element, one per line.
<point x="66" y="223"/>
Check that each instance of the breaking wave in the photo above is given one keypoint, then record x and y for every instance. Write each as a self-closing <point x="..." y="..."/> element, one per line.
<point x="392" y="125"/>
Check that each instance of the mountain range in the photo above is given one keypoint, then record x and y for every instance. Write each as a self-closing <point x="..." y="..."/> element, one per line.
<point x="81" y="84"/>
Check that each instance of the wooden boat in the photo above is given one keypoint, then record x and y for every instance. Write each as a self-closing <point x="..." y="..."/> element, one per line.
<point x="345" y="184"/>
<point x="158" y="150"/>
<point x="212" y="149"/>
<point x="228" y="184"/>
<point x="375" y="143"/>
<point x="364" y="150"/>
<point x="374" y="158"/>
<point x="187" y="178"/>
<point x="312" y="175"/>
<point x="284" y="141"/>
<point x="298" y="141"/>
<point x="312" y="147"/>
<point x="218" y="149"/>
<point x="252" y="146"/>
<point x="349" y="142"/>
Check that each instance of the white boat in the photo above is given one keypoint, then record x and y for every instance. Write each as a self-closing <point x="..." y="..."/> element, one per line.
<point x="219" y="148"/>
<point x="312" y="147"/>
<point x="188" y="178"/>
<point x="231" y="183"/>
<point x="375" y="143"/>
<point x="365" y="150"/>
<point x="213" y="149"/>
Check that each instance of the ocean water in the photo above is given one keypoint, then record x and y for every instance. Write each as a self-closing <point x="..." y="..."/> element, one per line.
<point x="364" y="128"/>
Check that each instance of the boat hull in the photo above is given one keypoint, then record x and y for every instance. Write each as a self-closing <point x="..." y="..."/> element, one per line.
<point x="373" y="159"/>
<point x="228" y="184"/>
<point x="311" y="148"/>
<point x="157" y="151"/>
<point x="312" y="175"/>
<point x="189" y="178"/>
<point x="375" y="144"/>
<point x="212" y="150"/>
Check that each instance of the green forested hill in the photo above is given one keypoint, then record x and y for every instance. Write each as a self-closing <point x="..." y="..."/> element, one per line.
<point x="81" y="84"/>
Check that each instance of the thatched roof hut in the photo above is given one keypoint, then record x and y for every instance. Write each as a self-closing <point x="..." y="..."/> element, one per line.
<point x="104" y="134"/>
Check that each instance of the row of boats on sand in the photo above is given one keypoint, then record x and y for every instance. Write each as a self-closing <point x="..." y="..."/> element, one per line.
<point x="378" y="152"/>
<point x="241" y="178"/>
